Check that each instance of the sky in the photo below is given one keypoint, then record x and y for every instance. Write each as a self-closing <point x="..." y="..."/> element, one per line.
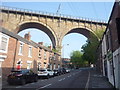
<point x="73" y="41"/>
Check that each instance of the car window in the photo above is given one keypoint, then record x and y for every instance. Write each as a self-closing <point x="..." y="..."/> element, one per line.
<point x="48" y="70"/>
<point x="16" y="72"/>
<point x="25" y="71"/>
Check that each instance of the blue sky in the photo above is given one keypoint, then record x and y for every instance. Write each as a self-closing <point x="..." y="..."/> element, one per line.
<point x="93" y="10"/>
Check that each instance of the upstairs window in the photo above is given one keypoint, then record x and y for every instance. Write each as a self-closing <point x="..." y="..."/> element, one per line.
<point x="30" y="52"/>
<point x="40" y="52"/>
<point x="45" y="57"/>
<point x="3" y="43"/>
<point x="21" y="49"/>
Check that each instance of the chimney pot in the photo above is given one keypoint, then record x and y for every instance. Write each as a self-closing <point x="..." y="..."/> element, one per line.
<point x="27" y="36"/>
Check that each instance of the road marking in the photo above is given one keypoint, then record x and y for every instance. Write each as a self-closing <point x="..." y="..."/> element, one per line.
<point x="44" y="86"/>
<point x="26" y="85"/>
<point x="87" y="84"/>
<point x="69" y="76"/>
<point x="18" y="87"/>
<point x="61" y="79"/>
<point x="32" y="83"/>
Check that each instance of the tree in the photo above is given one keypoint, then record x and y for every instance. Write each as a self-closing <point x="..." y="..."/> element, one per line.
<point x="89" y="49"/>
<point x="76" y="58"/>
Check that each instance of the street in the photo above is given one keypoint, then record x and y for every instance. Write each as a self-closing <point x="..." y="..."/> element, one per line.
<point x="83" y="78"/>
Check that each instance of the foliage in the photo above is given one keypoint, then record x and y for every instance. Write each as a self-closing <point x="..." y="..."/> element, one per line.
<point x="89" y="49"/>
<point x="99" y="33"/>
<point x="76" y="59"/>
<point x="55" y="50"/>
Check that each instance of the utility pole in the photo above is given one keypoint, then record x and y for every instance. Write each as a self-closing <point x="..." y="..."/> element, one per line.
<point x="58" y="10"/>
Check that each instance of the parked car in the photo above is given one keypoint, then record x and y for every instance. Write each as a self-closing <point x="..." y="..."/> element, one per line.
<point x="67" y="70"/>
<point x="45" y="73"/>
<point x="56" y="72"/>
<point x="61" y="71"/>
<point x="22" y="77"/>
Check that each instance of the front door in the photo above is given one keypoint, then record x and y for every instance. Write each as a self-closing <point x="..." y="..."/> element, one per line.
<point x="105" y="66"/>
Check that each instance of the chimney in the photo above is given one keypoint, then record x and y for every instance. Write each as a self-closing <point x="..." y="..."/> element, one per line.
<point x="40" y="43"/>
<point x="50" y="47"/>
<point x="27" y="36"/>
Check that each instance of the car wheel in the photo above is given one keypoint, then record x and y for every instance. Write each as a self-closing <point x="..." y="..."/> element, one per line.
<point x="36" y="79"/>
<point x="48" y="76"/>
<point x="23" y="81"/>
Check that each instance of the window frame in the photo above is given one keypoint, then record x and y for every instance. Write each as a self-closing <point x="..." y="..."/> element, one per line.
<point x="7" y="42"/>
<point x="21" y="44"/>
<point x="30" y="51"/>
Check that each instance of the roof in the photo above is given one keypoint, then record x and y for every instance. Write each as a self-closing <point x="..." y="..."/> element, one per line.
<point x="11" y="34"/>
<point x="32" y="43"/>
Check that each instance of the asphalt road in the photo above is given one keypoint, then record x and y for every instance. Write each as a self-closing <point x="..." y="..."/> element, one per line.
<point x="78" y="78"/>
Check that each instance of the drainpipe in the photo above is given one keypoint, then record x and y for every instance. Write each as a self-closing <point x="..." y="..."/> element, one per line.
<point x="15" y="55"/>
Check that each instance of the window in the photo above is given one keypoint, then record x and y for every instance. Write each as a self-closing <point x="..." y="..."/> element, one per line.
<point x="45" y="65"/>
<point x="50" y="57"/>
<point x="39" y="55"/>
<point x="111" y="67"/>
<point x="54" y="66"/>
<point x="39" y="66"/>
<point x="54" y="56"/>
<point x="29" y="64"/>
<point x="58" y="65"/>
<point x="3" y="43"/>
<point x="50" y="66"/>
<point x="21" y="49"/>
<point x="45" y="55"/>
<point x="30" y="52"/>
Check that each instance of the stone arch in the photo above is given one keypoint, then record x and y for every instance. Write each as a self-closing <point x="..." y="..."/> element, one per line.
<point x="38" y="25"/>
<point x="81" y="30"/>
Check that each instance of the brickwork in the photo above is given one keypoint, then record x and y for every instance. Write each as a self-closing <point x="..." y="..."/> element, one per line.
<point x="15" y="56"/>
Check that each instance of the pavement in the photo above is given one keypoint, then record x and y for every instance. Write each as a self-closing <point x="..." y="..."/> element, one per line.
<point x="97" y="80"/>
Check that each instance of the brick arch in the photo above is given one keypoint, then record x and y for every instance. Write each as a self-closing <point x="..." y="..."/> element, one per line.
<point x="40" y="26"/>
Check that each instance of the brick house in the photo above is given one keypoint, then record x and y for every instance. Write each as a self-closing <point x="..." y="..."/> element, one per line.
<point x="17" y="52"/>
<point x="111" y="48"/>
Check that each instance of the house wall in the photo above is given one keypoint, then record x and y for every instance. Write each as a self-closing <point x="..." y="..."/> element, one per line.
<point x="116" y="58"/>
<point x="7" y="62"/>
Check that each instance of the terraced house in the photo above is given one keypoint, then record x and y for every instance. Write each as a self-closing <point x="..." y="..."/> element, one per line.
<point x="17" y="52"/>
<point x="109" y="48"/>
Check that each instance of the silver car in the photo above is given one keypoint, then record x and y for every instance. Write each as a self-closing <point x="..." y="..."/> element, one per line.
<point x="45" y="73"/>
